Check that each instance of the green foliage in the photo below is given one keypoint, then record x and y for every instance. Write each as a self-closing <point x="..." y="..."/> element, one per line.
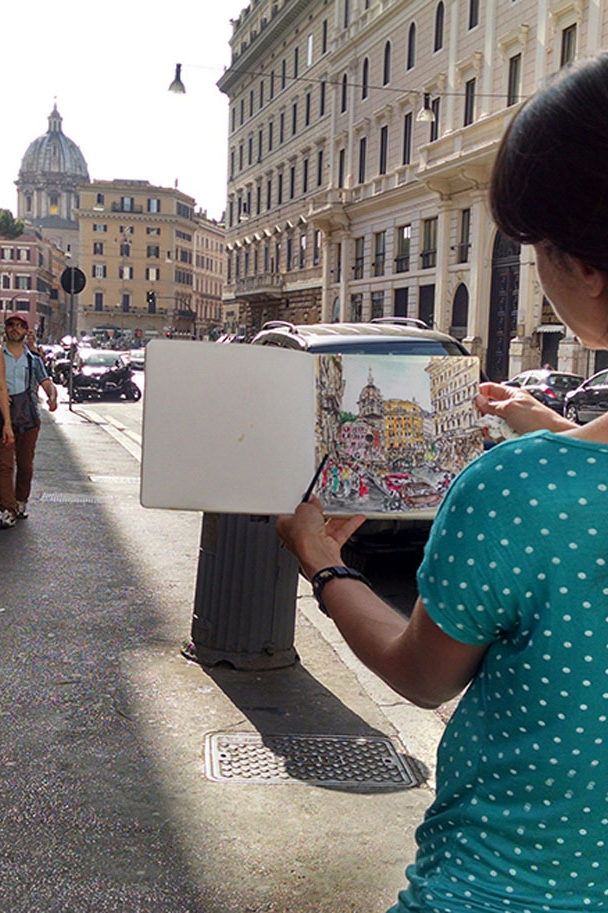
<point x="346" y="417"/>
<point x="9" y="226"/>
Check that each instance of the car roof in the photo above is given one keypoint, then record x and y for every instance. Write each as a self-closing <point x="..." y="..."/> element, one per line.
<point x="305" y="335"/>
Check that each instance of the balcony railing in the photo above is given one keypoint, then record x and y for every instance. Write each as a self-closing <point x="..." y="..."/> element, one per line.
<point x="120" y="207"/>
<point x="262" y="284"/>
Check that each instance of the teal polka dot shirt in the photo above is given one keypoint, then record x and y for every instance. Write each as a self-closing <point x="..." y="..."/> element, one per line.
<point x="518" y="560"/>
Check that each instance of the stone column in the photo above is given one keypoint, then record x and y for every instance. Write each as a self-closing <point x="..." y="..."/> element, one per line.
<point x="442" y="319"/>
<point x="326" y="241"/>
<point x="478" y="293"/>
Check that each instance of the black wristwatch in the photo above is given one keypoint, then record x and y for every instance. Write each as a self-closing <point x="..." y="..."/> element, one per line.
<point x="331" y="573"/>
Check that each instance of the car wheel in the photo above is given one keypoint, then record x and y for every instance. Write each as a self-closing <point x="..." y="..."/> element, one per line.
<point x="572" y="414"/>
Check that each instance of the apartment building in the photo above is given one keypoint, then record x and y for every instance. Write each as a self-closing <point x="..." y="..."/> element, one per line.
<point x="362" y="134"/>
<point x="137" y="248"/>
<point x="30" y="270"/>
<point x="209" y="275"/>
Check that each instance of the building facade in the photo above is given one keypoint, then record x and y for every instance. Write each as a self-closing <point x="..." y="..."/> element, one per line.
<point x="209" y="276"/>
<point x="362" y="135"/>
<point x="51" y="173"/>
<point x="30" y="271"/>
<point x="137" y="251"/>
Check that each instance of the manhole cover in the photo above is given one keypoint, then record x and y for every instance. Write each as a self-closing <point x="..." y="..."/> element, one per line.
<point x="356" y="762"/>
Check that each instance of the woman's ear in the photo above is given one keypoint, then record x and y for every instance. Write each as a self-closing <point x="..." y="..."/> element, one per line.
<point x="594" y="280"/>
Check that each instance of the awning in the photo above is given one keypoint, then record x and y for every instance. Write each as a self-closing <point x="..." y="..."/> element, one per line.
<point x="551" y="328"/>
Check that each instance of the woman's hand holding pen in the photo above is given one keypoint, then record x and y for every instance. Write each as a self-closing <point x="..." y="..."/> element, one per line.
<point x="315" y="541"/>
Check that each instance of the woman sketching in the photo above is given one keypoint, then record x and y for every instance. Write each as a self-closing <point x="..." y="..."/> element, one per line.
<point x="513" y="603"/>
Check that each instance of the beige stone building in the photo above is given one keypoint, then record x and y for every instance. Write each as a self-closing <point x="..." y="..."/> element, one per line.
<point x="209" y="275"/>
<point x="137" y="251"/>
<point x="343" y="204"/>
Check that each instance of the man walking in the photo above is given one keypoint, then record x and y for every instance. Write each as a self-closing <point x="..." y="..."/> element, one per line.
<point x="24" y="373"/>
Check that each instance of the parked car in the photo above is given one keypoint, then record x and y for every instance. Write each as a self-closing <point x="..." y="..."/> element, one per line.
<point x="547" y="386"/>
<point x="137" y="359"/>
<point x="589" y="400"/>
<point x="383" y="336"/>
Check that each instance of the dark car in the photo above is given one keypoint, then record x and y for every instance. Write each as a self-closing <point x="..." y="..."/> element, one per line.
<point x="383" y="336"/>
<point x="589" y="400"/>
<point x="548" y="387"/>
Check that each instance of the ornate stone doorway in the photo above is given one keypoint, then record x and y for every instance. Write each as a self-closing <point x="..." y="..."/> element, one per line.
<point x="504" y="297"/>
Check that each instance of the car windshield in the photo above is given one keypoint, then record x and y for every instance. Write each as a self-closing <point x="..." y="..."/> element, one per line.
<point x="563" y="383"/>
<point x="388" y="347"/>
<point x="97" y="359"/>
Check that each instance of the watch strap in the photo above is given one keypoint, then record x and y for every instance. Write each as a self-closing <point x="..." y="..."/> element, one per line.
<point x="332" y="573"/>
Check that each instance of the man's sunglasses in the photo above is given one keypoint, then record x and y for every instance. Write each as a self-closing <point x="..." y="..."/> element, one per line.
<point x="15" y="323"/>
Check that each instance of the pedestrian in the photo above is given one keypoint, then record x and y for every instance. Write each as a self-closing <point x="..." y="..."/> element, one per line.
<point x="25" y="372"/>
<point x="514" y="581"/>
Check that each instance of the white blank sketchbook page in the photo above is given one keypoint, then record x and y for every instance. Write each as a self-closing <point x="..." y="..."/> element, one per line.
<point x="227" y="428"/>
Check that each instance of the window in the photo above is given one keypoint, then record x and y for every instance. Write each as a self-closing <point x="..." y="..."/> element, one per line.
<point x="469" y="101"/>
<point x="324" y="37"/>
<point x="260" y="143"/>
<point x="125" y="272"/>
<point x="514" y="79"/>
<point x="316" y="251"/>
<point x="283" y="73"/>
<point x="125" y="249"/>
<point x="100" y="226"/>
<point x="344" y="96"/>
<point x="295" y="62"/>
<point x="383" y="149"/>
<point x="439" y="19"/>
<point x="99" y="271"/>
<point x="435" y="125"/>
<point x="125" y="302"/>
<point x="568" y="51"/>
<point x="302" y="251"/>
<point x="152" y="250"/>
<point x="362" y="157"/>
<point x="359" y="258"/>
<point x="280" y="189"/>
<point x="271" y="92"/>
<point x="99" y="199"/>
<point x="322" y="99"/>
<point x="402" y="260"/>
<point x="346" y="13"/>
<point x="152" y="273"/>
<point x="251" y="103"/>
<point x="365" y="79"/>
<point x="305" y="176"/>
<point x="289" y="254"/>
<point x="307" y="107"/>
<point x="98" y="247"/>
<point x="377" y="305"/>
<point x="270" y="132"/>
<point x="309" y="46"/>
<point x="428" y="254"/>
<point x="127" y="204"/>
<point x="268" y="193"/>
<point x="249" y="150"/>
<point x="407" y="139"/>
<point x="379" y="253"/>
<point x="473" y="13"/>
<point x="319" y="167"/>
<point x="294" y="118"/>
<point x="341" y="164"/>
<point x="462" y="248"/>
<point x="242" y="111"/>
<point x="262" y="93"/>
<point x="258" y="199"/>
<point x="386" y="70"/>
<point x="411" y="47"/>
<point x="98" y="301"/>
<point x="292" y="182"/>
<point x="154" y="205"/>
<point x="23" y="282"/>
<point x="152" y="230"/>
<point x="356" y="307"/>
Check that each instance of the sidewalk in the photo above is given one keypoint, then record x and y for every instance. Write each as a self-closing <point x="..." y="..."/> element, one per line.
<point x="108" y="800"/>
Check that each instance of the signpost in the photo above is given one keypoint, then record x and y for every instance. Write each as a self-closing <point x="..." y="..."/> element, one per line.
<point x="73" y="280"/>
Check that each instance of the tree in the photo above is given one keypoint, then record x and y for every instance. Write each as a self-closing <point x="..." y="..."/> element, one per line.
<point x="10" y="227"/>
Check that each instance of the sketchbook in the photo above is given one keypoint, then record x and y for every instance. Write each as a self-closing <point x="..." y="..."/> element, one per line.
<point x="242" y="429"/>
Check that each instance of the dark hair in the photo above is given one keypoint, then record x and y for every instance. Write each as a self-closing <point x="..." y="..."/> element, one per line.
<point x="550" y="176"/>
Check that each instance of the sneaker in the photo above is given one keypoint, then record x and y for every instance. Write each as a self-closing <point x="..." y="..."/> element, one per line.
<point x="7" y="519"/>
<point x="21" y="510"/>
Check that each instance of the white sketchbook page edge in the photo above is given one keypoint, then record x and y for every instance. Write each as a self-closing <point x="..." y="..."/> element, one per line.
<point x="216" y="414"/>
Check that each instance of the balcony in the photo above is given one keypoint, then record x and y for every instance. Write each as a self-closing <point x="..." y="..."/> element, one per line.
<point x="120" y="207"/>
<point x="265" y="285"/>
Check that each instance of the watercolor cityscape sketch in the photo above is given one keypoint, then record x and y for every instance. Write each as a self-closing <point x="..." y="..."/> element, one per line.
<point x="396" y="430"/>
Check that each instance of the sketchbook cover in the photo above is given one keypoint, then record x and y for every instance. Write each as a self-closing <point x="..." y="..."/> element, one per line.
<point x="241" y="429"/>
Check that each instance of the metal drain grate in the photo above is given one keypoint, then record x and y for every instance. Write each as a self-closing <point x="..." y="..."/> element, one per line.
<point x="60" y="497"/>
<point x="116" y="480"/>
<point x="356" y="762"/>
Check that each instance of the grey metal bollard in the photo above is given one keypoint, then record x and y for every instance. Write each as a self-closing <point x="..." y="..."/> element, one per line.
<point x="244" y="605"/>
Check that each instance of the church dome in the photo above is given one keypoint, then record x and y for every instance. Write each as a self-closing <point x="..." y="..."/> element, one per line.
<point x="54" y="154"/>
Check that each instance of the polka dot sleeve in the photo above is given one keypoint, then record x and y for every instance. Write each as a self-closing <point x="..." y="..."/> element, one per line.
<point x="468" y="580"/>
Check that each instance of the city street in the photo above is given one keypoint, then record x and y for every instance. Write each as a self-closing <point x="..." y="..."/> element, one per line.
<point x="113" y="790"/>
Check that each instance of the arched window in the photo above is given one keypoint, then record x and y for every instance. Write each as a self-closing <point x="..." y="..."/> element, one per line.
<point x="344" y="94"/>
<point x="365" y="79"/>
<point x="460" y="312"/>
<point x="411" y="47"/>
<point x="439" y="18"/>
<point x="387" y="64"/>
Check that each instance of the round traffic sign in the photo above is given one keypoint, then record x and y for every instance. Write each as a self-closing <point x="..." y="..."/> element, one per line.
<point x="73" y="280"/>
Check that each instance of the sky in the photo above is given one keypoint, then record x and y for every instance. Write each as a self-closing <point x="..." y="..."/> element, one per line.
<point x="388" y="374"/>
<point x="108" y="67"/>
